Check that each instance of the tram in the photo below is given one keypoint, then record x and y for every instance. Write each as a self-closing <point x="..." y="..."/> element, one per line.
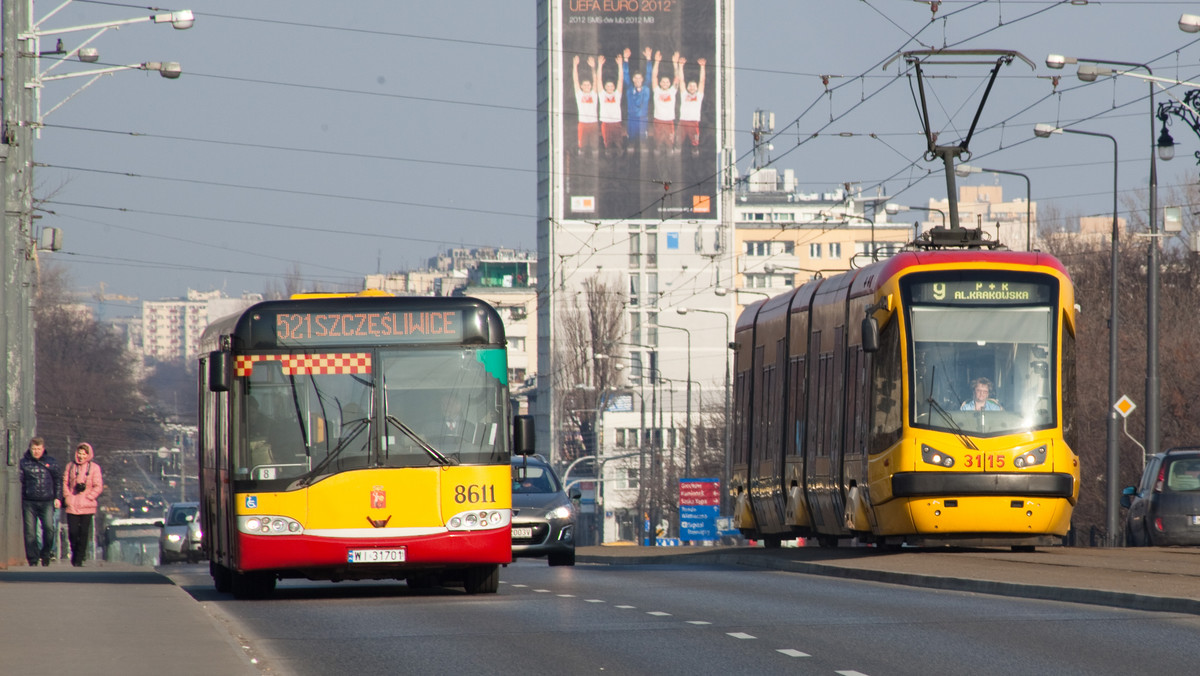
<point x="925" y="399"/>
<point x="346" y="438"/>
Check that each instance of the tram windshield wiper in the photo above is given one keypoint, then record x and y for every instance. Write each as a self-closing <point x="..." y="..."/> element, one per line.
<point x="354" y="431"/>
<point x="441" y="458"/>
<point x="958" y="431"/>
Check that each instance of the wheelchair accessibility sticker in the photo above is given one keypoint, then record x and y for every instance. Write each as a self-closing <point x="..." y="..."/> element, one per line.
<point x="251" y="502"/>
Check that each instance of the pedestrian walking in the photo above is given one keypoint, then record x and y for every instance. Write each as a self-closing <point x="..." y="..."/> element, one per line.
<point x="41" y="496"/>
<point x="82" y="486"/>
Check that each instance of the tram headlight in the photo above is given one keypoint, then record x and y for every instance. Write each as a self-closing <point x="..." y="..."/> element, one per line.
<point x="1030" y="458"/>
<point x="935" y="457"/>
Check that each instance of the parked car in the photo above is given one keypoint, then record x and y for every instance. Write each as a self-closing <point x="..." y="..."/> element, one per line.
<point x="181" y="534"/>
<point x="543" y="521"/>
<point x="1164" y="508"/>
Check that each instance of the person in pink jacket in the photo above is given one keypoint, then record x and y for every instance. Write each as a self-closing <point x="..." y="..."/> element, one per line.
<point x="82" y="486"/>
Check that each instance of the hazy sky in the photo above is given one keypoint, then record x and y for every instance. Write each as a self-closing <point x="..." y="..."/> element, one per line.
<point x="339" y="139"/>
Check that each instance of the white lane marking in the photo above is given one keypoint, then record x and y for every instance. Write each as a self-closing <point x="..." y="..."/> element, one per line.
<point x="520" y="585"/>
<point x="738" y="634"/>
<point x="541" y="591"/>
<point x="658" y="613"/>
<point x="698" y="622"/>
<point x="566" y="596"/>
<point x="626" y="607"/>
<point x="595" y="601"/>
<point x="850" y="672"/>
<point x="792" y="653"/>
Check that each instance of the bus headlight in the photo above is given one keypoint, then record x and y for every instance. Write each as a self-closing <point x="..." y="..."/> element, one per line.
<point x="482" y="519"/>
<point x="935" y="457"/>
<point x="269" y="525"/>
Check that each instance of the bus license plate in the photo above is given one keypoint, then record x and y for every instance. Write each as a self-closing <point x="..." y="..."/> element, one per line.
<point x="376" y="556"/>
<point x="526" y="532"/>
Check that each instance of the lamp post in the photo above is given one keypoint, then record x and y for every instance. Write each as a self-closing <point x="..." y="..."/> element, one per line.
<point x="21" y="44"/>
<point x="728" y="412"/>
<point x="965" y="169"/>
<point x="687" y="447"/>
<point x="1113" y="475"/>
<point x="1088" y="74"/>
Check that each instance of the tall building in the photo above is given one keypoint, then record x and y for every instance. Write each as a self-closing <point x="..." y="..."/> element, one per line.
<point x="171" y="328"/>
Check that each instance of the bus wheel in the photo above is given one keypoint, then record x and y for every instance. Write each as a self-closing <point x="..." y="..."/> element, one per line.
<point x="222" y="577"/>
<point x="482" y="580"/>
<point x="252" y="585"/>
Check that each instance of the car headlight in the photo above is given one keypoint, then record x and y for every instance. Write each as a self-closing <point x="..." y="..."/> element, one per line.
<point x="562" y="512"/>
<point x="174" y="537"/>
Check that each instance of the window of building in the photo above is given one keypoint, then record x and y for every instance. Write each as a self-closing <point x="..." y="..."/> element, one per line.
<point x="814" y="250"/>
<point x="635" y="285"/>
<point x="635" y="249"/>
<point x="651" y="250"/>
<point x="835" y="249"/>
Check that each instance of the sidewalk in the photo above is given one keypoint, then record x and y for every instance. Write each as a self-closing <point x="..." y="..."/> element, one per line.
<point x="109" y="618"/>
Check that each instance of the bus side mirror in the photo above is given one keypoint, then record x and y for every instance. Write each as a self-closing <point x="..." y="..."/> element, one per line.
<point x="524" y="434"/>
<point x="870" y="335"/>
<point x="218" y="371"/>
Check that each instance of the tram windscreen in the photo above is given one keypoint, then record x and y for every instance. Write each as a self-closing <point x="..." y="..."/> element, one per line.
<point x="982" y="354"/>
<point x="308" y="416"/>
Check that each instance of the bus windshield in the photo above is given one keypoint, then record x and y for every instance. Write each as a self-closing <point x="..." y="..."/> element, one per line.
<point x="981" y="362"/>
<point x="305" y="420"/>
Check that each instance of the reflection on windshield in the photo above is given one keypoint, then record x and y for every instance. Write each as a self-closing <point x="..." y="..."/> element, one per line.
<point x="442" y="406"/>
<point x="445" y="407"/>
<point x="982" y="370"/>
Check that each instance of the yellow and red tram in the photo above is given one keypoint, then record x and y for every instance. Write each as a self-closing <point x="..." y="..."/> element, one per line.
<point x="856" y="414"/>
<point x="357" y="438"/>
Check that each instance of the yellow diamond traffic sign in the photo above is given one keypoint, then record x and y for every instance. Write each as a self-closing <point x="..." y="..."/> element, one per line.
<point x="1124" y="406"/>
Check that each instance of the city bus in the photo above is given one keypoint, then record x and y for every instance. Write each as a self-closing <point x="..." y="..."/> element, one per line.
<point x="922" y="400"/>
<point x="357" y="437"/>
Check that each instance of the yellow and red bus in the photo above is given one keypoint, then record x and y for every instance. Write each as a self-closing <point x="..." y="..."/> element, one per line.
<point x="856" y="414"/>
<point x="348" y="438"/>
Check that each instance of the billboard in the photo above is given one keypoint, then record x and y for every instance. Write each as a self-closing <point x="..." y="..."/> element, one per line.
<point x="640" y="102"/>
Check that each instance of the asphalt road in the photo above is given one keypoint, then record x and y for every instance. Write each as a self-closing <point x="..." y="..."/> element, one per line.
<point x="690" y="618"/>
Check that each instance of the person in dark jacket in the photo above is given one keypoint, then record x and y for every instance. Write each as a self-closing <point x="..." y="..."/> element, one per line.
<point x="41" y="496"/>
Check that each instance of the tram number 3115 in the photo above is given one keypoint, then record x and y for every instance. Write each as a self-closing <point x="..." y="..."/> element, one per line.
<point x="985" y="461"/>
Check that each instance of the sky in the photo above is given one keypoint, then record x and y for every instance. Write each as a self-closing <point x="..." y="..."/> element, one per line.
<point x="332" y="140"/>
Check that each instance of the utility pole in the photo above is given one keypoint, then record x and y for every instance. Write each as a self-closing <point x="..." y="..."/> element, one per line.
<point x="16" y="248"/>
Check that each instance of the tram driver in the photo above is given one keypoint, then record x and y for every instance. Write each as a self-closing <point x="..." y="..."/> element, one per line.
<point x="981" y="401"/>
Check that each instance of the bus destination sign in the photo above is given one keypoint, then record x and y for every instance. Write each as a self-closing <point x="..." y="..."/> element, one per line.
<point x="990" y="291"/>
<point x="333" y="328"/>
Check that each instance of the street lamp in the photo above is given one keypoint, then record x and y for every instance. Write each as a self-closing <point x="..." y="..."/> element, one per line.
<point x="1152" y="283"/>
<point x="728" y="412"/>
<point x="963" y="170"/>
<point x="687" y="448"/>
<point x="1114" y="451"/>
<point x="892" y="209"/>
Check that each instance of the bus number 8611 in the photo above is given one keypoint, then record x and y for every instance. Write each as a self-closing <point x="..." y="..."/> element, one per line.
<point x="473" y="494"/>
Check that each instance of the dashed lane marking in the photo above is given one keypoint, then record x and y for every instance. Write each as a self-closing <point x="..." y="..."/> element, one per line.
<point x="792" y="653"/>
<point x="658" y="613"/>
<point x="738" y="634"/>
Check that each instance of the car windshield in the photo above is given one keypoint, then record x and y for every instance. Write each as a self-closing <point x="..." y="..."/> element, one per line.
<point x="532" y="478"/>
<point x="181" y="516"/>
<point x="981" y="360"/>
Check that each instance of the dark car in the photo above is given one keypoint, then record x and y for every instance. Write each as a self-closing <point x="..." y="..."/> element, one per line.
<point x="1164" y="509"/>
<point x="543" y="521"/>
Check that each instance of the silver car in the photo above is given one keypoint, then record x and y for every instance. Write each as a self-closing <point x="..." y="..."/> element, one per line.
<point x="543" y="521"/>
<point x="181" y="535"/>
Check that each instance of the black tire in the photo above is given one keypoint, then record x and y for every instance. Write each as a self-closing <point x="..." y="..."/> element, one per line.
<point x="772" y="542"/>
<point x="561" y="559"/>
<point x="246" y="586"/>
<point x="222" y="577"/>
<point x="482" y="579"/>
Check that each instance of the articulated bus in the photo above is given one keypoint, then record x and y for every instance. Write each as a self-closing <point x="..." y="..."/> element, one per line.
<point x="349" y="438"/>
<point x="925" y="399"/>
